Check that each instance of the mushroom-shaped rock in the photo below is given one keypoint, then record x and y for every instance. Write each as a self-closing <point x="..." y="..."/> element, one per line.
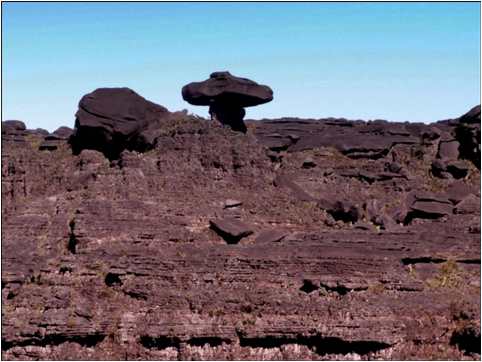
<point x="111" y="119"/>
<point x="226" y="96"/>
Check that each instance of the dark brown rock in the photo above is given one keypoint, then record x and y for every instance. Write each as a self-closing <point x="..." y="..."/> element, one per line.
<point x="231" y="230"/>
<point x="226" y="96"/>
<point x="227" y="88"/>
<point x="111" y="120"/>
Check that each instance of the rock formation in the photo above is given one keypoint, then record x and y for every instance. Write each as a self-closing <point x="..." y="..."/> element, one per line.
<point x="111" y="120"/>
<point x="300" y="240"/>
<point x="226" y="96"/>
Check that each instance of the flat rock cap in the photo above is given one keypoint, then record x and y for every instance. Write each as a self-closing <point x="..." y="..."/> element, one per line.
<point x="226" y="88"/>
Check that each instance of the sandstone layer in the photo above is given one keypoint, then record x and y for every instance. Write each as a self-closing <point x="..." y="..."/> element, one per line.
<point x="301" y="239"/>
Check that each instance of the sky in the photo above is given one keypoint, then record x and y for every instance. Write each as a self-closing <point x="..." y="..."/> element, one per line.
<point x="396" y="61"/>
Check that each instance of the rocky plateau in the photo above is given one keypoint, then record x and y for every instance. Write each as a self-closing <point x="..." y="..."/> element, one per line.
<point x="142" y="233"/>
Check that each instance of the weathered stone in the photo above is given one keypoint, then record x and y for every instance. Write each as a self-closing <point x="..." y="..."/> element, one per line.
<point x="226" y="96"/>
<point x="469" y="205"/>
<point x="459" y="190"/>
<point x="110" y="120"/>
<point x="231" y="230"/>
<point x="8" y="126"/>
<point x="448" y="149"/>
<point x="449" y="168"/>
<point x="271" y="236"/>
<point x="114" y="260"/>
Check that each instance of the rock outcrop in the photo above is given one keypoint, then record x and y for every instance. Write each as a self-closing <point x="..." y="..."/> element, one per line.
<point x="227" y="96"/>
<point x="111" y="120"/>
<point x="298" y="240"/>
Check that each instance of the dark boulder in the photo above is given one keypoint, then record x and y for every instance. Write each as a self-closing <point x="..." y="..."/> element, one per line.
<point x="112" y="119"/>
<point x="230" y="229"/>
<point x="226" y="96"/>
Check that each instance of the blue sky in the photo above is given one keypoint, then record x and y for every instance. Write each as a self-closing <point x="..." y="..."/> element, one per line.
<point x="396" y="61"/>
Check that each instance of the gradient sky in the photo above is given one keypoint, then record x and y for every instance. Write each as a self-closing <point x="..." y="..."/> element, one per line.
<point x="396" y="61"/>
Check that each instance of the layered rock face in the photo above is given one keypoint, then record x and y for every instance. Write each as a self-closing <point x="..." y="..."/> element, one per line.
<point x="301" y="239"/>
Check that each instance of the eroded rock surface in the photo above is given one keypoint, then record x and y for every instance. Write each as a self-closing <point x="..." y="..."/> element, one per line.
<point x="117" y="259"/>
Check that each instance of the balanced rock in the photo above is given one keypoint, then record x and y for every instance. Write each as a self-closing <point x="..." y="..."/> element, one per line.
<point x="112" y="119"/>
<point x="226" y="96"/>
